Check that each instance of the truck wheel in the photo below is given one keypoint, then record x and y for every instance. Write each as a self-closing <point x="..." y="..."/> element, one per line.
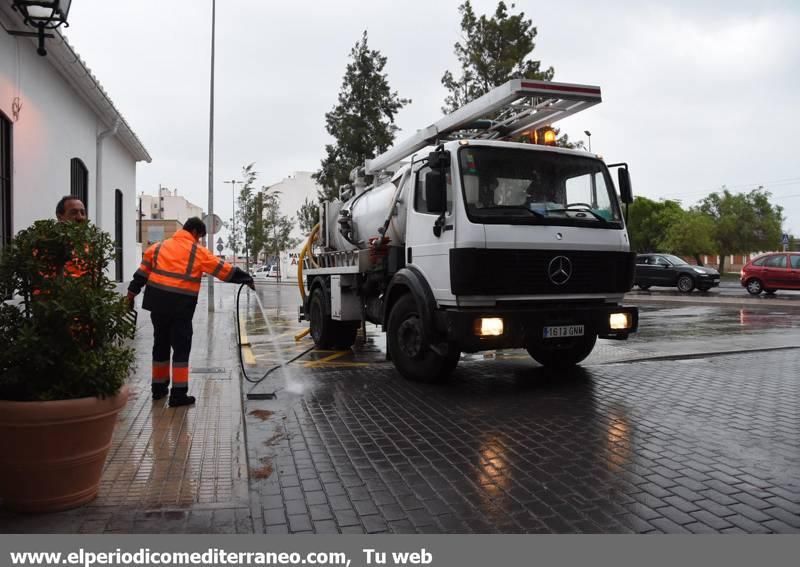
<point x="685" y="283"/>
<point x="326" y="332"/>
<point x="322" y="328"/>
<point x="410" y="353"/>
<point x="563" y="353"/>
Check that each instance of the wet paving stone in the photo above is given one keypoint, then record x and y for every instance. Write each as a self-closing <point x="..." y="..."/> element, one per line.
<point x="673" y="446"/>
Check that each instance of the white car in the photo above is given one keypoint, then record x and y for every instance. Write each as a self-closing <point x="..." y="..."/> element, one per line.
<point x="265" y="272"/>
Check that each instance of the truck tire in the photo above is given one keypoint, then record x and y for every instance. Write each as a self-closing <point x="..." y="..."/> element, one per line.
<point x="410" y="353"/>
<point x="563" y="353"/>
<point x="326" y="332"/>
<point x="322" y="331"/>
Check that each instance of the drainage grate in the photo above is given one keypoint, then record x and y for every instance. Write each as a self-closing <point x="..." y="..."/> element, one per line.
<point x="212" y="370"/>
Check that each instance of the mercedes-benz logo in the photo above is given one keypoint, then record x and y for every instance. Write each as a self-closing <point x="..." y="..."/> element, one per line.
<point x="559" y="270"/>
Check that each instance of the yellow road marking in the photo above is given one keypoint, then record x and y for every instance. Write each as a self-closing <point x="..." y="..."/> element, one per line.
<point x="245" y="341"/>
<point x="247" y="355"/>
<point x="313" y="363"/>
<point x="343" y="364"/>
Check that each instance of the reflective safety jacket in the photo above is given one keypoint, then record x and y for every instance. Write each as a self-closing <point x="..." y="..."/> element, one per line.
<point x="173" y="271"/>
<point x="74" y="268"/>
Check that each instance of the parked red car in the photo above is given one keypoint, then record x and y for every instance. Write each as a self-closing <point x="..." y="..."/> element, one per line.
<point x="771" y="272"/>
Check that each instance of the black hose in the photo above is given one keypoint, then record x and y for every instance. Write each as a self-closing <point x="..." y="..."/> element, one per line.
<point x="250" y="394"/>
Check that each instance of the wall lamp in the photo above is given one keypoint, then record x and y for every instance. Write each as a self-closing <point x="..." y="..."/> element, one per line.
<point x="42" y="15"/>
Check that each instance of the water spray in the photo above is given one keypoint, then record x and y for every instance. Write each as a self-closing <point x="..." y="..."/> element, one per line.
<point x="259" y="395"/>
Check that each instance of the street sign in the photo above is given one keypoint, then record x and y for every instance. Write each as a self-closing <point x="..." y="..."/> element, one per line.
<point x="219" y="241"/>
<point x="219" y="247"/>
<point x="785" y="239"/>
<point x="217" y="223"/>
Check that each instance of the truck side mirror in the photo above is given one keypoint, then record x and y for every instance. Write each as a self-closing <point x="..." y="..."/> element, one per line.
<point x="435" y="191"/>
<point x="439" y="159"/>
<point x="625" y="186"/>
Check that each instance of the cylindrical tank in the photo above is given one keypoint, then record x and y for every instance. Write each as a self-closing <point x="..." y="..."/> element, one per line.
<point x="368" y="212"/>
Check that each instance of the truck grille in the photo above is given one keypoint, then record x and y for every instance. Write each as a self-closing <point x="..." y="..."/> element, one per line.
<point x="477" y="271"/>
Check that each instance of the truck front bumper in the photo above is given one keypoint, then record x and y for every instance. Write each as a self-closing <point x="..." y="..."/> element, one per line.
<point x="524" y="325"/>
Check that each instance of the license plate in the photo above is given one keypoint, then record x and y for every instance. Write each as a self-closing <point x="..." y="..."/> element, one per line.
<point x="561" y="331"/>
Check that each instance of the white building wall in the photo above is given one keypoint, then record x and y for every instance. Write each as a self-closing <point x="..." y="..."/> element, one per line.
<point x="119" y="172"/>
<point x="295" y="189"/>
<point x="55" y="125"/>
<point x="181" y="209"/>
<point x="175" y="207"/>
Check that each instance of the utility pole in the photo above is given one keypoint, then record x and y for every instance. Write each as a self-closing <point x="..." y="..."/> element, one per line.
<point x="233" y="183"/>
<point x="141" y="221"/>
<point x="211" y="154"/>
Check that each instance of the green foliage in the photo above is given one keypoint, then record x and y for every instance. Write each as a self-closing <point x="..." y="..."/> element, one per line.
<point x="649" y="222"/>
<point x="743" y="222"/>
<point x="308" y="215"/>
<point x="689" y="234"/>
<point x="493" y="51"/>
<point x="247" y="227"/>
<point x="234" y="238"/>
<point x="265" y="230"/>
<point x="362" y="122"/>
<point x="64" y="326"/>
<point x="277" y="227"/>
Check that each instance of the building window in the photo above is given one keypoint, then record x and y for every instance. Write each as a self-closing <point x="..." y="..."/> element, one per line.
<point x="5" y="180"/>
<point x="118" y="233"/>
<point x="79" y="181"/>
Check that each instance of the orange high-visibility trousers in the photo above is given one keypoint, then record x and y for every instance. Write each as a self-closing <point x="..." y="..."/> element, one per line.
<point x="172" y="334"/>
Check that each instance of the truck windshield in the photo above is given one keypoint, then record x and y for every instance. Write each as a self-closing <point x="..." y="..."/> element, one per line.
<point x="518" y="186"/>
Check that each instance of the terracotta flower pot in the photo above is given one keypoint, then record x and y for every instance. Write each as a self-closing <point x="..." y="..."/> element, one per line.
<point x="53" y="452"/>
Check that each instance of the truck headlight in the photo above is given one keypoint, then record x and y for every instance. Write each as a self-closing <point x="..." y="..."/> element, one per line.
<point x="619" y="321"/>
<point x="488" y="327"/>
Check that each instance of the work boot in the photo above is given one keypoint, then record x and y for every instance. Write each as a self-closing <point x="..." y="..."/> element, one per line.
<point x="159" y="391"/>
<point x="178" y="397"/>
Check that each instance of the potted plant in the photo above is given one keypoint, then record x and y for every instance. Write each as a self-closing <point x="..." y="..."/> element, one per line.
<point x="64" y="360"/>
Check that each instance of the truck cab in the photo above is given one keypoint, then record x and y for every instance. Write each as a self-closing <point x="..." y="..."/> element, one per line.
<point x="522" y="246"/>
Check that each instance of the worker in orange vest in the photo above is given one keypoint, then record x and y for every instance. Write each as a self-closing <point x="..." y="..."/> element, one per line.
<point x="172" y="271"/>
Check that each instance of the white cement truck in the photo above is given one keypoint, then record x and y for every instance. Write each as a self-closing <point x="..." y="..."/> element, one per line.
<point x="478" y="242"/>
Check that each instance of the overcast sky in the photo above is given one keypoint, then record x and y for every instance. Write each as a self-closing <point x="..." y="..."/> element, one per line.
<point x="694" y="97"/>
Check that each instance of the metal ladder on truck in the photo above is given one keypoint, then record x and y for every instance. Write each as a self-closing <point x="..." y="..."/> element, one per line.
<point x="513" y="108"/>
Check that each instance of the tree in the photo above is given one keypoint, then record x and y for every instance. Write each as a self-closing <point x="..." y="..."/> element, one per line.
<point x="690" y="235"/>
<point x="362" y="122"/>
<point x="308" y="215"/>
<point x="234" y="240"/>
<point x="649" y="222"/>
<point x="277" y="227"/>
<point x="743" y="223"/>
<point x="257" y="225"/>
<point x="246" y="211"/>
<point x="493" y="51"/>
